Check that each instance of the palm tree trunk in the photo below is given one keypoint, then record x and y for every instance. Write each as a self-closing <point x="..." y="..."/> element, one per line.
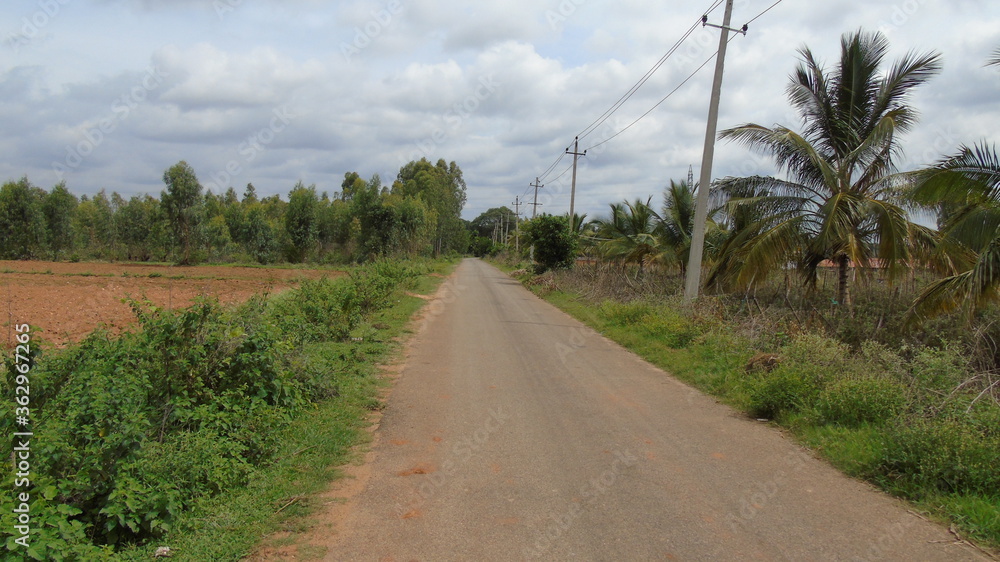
<point x="843" y="290"/>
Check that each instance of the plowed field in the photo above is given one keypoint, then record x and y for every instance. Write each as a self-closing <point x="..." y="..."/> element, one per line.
<point x="65" y="301"/>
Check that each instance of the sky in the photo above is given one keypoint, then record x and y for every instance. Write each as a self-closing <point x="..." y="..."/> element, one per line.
<point x="108" y="94"/>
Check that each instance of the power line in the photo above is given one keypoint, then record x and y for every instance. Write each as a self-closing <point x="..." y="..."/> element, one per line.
<point x="679" y="86"/>
<point x="764" y="12"/>
<point x="645" y="78"/>
<point x="672" y="92"/>
<point x="554" y="164"/>
<point x="631" y="92"/>
<point x="563" y="173"/>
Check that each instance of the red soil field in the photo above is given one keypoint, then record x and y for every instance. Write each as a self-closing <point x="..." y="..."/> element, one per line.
<point x="63" y="302"/>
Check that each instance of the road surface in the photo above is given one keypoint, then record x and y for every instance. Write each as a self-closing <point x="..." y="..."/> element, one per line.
<point x="516" y="433"/>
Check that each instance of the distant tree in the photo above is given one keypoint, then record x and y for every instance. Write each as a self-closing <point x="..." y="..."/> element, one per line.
<point x="58" y="206"/>
<point x="631" y="233"/>
<point x="182" y="204"/>
<point x="22" y="223"/>
<point x="302" y="221"/>
<point x="555" y="244"/>
<point x="93" y="225"/>
<point x="377" y="222"/>
<point x="138" y="223"/>
<point x="489" y="221"/>
<point x="250" y="194"/>
<point x="334" y="223"/>
<point x="352" y="184"/>
<point x="260" y="238"/>
<point x="230" y="198"/>
<point x="442" y="187"/>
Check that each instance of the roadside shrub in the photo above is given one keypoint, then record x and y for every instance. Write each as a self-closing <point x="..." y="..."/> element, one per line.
<point x="670" y="326"/>
<point x="939" y="369"/>
<point x="555" y="243"/>
<point x="948" y="456"/>
<point x="854" y="401"/>
<point x="165" y="477"/>
<point x="625" y="313"/>
<point x="781" y="391"/>
<point x="372" y="284"/>
<point x="808" y="362"/>
<point x="323" y="309"/>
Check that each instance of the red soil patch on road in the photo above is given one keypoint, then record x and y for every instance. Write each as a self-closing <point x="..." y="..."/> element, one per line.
<point x="64" y="302"/>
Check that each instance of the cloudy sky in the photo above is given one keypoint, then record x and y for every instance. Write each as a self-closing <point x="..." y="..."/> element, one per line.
<point x="109" y="93"/>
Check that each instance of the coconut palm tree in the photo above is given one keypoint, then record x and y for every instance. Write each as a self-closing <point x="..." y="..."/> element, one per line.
<point x="965" y="190"/>
<point x="677" y="224"/>
<point x="630" y="233"/>
<point x="840" y="197"/>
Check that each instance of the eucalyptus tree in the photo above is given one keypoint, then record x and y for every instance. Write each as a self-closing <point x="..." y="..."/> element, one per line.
<point x="840" y="198"/>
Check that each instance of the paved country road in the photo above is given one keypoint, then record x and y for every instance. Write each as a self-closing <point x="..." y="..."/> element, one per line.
<point x="516" y="433"/>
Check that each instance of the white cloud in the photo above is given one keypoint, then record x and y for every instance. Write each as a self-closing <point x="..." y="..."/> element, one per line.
<point x="501" y="88"/>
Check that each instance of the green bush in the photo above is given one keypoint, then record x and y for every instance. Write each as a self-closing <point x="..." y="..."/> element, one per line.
<point x="854" y="401"/>
<point x="807" y="365"/>
<point x="671" y="327"/>
<point x="940" y="369"/>
<point x="320" y="310"/>
<point x="555" y="243"/>
<point x="625" y="313"/>
<point x="948" y="456"/>
<point x="781" y="391"/>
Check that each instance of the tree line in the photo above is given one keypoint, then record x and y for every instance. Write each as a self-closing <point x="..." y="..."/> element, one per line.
<point x="419" y="214"/>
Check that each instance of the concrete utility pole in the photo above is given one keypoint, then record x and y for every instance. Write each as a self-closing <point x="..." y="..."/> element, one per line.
<point x="534" y="206"/>
<point x="572" y="192"/>
<point x="517" y="227"/>
<point x="693" y="281"/>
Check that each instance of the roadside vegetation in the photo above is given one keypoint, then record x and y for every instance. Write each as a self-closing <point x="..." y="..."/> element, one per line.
<point x="829" y="308"/>
<point x="209" y="426"/>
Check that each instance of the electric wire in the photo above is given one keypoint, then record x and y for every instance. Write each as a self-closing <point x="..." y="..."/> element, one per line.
<point x="685" y="81"/>
<point x="631" y="92"/>
<point x="764" y="12"/>
<point x="645" y="78"/>
<point x="665" y="98"/>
